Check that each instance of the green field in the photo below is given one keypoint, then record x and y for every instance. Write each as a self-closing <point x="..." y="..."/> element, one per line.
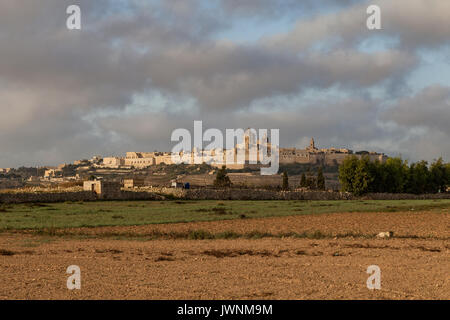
<point x="125" y="213"/>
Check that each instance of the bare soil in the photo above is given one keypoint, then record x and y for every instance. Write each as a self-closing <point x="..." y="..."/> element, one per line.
<point x="414" y="266"/>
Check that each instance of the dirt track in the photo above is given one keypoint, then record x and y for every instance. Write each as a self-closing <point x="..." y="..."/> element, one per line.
<point x="269" y="268"/>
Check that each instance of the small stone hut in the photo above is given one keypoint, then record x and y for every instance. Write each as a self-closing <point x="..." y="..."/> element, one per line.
<point x="104" y="189"/>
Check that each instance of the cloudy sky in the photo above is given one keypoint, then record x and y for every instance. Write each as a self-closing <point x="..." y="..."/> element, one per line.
<point x="137" y="70"/>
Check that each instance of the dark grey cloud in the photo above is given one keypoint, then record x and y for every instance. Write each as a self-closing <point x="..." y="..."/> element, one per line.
<point x="226" y="77"/>
<point x="421" y="122"/>
<point x="429" y="109"/>
<point x="67" y="94"/>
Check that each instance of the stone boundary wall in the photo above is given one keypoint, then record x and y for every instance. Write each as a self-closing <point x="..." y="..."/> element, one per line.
<point x="298" y="195"/>
<point x="259" y="194"/>
<point x="242" y="194"/>
<point x="159" y="194"/>
<point x="47" y="197"/>
<point x="405" y="196"/>
<point x="74" y="196"/>
<point x="132" y="195"/>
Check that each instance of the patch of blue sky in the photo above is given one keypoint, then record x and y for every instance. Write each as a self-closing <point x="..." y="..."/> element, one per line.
<point x="248" y="28"/>
<point x="434" y="69"/>
<point x="159" y="102"/>
<point x="244" y="31"/>
<point x="141" y="104"/>
<point x="378" y="43"/>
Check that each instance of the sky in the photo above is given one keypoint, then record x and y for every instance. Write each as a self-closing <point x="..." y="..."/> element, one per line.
<point x="138" y="70"/>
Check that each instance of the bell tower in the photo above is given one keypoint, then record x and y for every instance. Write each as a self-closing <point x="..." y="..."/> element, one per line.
<point x="312" y="145"/>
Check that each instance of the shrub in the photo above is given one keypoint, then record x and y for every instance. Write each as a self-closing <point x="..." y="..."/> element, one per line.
<point x="320" y="179"/>
<point x="303" y="181"/>
<point x="285" y="185"/>
<point x="222" y="179"/>
<point x="200" y="235"/>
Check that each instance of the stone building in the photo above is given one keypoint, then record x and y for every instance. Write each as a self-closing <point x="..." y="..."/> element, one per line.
<point x="51" y="173"/>
<point x="113" y="162"/>
<point x="133" y="183"/>
<point x="103" y="189"/>
<point x="241" y="156"/>
<point x="331" y="156"/>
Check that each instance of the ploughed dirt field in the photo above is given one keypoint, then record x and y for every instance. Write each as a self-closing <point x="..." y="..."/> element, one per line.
<point x="322" y="256"/>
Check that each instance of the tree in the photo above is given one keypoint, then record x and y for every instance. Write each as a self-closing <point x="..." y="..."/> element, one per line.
<point x="447" y="174"/>
<point x="347" y="172"/>
<point x="360" y="176"/>
<point x="438" y="176"/>
<point x="310" y="182"/>
<point x="395" y="175"/>
<point x="320" y="179"/>
<point x="303" y="181"/>
<point x="222" y="179"/>
<point x="375" y="169"/>
<point x="364" y="177"/>
<point x="357" y="175"/>
<point x="285" y="185"/>
<point x="418" y="178"/>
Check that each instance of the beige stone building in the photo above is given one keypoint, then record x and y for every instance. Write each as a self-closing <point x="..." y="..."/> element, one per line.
<point x="331" y="156"/>
<point x="243" y="155"/>
<point x="140" y="159"/>
<point x="113" y="162"/>
<point x="134" y="183"/>
<point x="104" y="189"/>
<point x="51" y="173"/>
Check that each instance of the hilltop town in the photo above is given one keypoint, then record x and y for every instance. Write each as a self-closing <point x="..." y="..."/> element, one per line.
<point x="309" y="155"/>
<point x="157" y="168"/>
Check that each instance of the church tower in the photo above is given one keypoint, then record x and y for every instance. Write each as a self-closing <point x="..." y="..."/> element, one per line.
<point x="312" y="145"/>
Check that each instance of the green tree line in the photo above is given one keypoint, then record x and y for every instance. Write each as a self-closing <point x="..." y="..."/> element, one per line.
<point x="360" y="176"/>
